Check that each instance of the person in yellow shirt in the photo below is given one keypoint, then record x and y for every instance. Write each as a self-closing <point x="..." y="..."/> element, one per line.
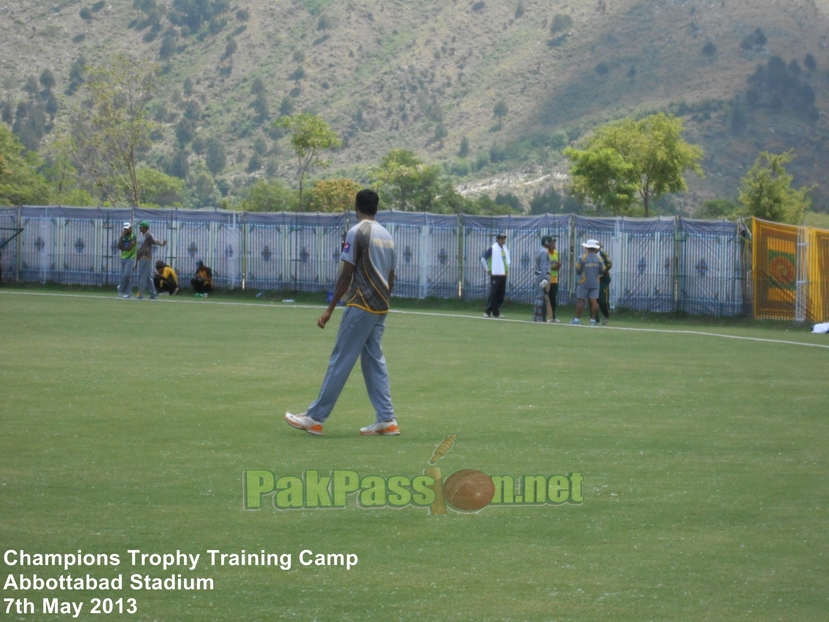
<point x="202" y="281"/>
<point x="555" y="266"/>
<point x="165" y="278"/>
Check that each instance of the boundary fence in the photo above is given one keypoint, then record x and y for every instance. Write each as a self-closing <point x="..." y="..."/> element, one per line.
<point x="663" y="264"/>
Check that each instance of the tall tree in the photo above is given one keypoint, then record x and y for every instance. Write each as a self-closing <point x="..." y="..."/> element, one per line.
<point x="310" y="135"/>
<point x="215" y="156"/>
<point x="112" y="127"/>
<point x="404" y="182"/>
<point x="766" y="191"/>
<point x="649" y="154"/>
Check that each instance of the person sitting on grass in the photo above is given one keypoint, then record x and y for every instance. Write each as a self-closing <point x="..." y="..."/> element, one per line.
<point x="202" y="281"/>
<point x="165" y="278"/>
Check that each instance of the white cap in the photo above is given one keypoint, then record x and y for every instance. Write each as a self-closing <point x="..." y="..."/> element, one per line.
<point x="127" y="225"/>
<point x="592" y="244"/>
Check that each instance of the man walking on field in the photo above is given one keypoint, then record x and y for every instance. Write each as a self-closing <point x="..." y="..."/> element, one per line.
<point x="366" y="280"/>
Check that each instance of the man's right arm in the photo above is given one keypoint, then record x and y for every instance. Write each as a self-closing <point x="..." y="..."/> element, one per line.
<point x="341" y="287"/>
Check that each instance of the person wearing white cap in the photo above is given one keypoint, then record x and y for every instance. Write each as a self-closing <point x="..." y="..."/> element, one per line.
<point x="126" y="244"/>
<point x="589" y="267"/>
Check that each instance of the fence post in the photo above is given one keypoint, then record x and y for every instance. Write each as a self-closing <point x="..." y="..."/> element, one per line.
<point x="243" y="262"/>
<point x="677" y="250"/>
<point x="19" y="244"/>
<point x="802" y="285"/>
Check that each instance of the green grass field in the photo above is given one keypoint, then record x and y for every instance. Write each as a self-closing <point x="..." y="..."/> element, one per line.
<point x="128" y="425"/>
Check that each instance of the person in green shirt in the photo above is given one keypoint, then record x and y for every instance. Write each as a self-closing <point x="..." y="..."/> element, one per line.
<point x="126" y="244"/>
<point x="555" y="266"/>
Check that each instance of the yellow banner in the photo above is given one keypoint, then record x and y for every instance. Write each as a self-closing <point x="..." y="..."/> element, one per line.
<point x="774" y="264"/>
<point x="818" y="309"/>
<point x="774" y="268"/>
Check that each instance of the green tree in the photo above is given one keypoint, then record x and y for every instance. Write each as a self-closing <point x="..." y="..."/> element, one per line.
<point x="500" y="111"/>
<point x="260" y="146"/>
<point x="766" y="191"/>
<point x="113" y="127"/>
<point x="286" y="107"/>
<point x="463" y="149"/>
<point x="63" y="178"/>
<point x="47" y="79"/>
<point x="310" y="135"/>
<point x="261" y="107"/>
<point x="231" y="47"/>
<point x="204" y="191"/>
<point x="159" y="189"/>
<point x="561" y="22"/>
<point x="547" y="202"/>
<point x="648" y="156"/>
<point x="709" y="50"/>
<point x="184" y="131"/>
<point x="20" y="182"/>
<point x="265" y="196"/>
<point x="168" y="47"/>
<point x="215" y="157"/>
<point x="405" y="183"/>
<point x="77" y="75"/>
<point x="255" y="163"/>
<point x="179" y="165"/>
<point x="604" y="177"/>
<point x="719" y="208"/>
<point x="323" y="23"/>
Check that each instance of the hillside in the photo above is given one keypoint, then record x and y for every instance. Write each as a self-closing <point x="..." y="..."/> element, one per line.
<point x="422" y="75"/>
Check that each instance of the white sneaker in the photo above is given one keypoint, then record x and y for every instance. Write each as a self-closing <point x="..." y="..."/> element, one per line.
<point x="605" y="321"/>
<point x="575" y="321"/>
<point x="593" y="323"/>
<point x="384" y="428"/>
<point x="304" y="422"/>
<point x="556" y="321"/>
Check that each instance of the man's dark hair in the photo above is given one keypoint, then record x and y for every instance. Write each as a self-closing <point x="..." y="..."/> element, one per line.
<point x="367" y="201"/>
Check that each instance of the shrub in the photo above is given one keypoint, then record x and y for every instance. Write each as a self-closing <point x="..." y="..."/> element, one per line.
<point x="709" y="50"/>
<point x="561" y="22"/>
<point x="255" y="163"/>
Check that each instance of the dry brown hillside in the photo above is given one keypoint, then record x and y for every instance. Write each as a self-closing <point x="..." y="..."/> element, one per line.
<point x="422" y="75"/>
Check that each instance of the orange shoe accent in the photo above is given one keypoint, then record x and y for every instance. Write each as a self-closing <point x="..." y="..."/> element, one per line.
<point x="296" y="421"/>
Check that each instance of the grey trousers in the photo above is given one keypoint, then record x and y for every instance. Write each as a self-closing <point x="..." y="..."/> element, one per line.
<point x="145" y="277"/>
<point x="359" y="335"/>
<point x="127" y="266"/>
